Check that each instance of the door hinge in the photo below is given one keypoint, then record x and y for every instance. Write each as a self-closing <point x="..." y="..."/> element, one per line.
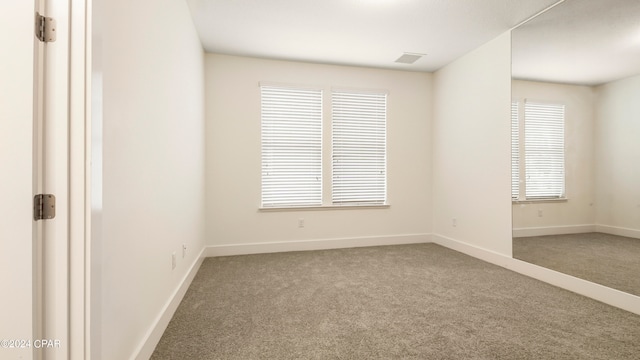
<point x="44" y="207"/>
<point x="45" y="28"/>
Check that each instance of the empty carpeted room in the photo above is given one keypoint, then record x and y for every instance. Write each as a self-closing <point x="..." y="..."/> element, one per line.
<point x="221" y="263"/>
<point x="353" y="179"/>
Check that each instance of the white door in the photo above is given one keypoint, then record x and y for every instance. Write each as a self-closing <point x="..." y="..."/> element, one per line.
<point x="16" y="179"/>
<point x="34" y="126"/>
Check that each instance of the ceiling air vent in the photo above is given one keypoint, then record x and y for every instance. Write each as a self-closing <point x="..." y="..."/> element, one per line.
<point x="409" y="58"/>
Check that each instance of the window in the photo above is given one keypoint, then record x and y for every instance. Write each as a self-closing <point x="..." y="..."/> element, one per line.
<point x="544" y="150"/>
<point x="515" y="151"/>
<point x="292" y="148"/>
<point x="543" y="156"/>
<point x="359" y="148"/>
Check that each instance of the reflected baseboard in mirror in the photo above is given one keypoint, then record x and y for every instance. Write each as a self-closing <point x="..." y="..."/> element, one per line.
<point x="609" y="260"/>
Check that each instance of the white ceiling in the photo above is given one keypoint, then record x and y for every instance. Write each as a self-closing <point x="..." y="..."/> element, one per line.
<point x="374" y="33"/>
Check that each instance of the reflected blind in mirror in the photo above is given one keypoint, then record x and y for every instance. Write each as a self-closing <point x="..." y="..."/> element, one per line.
<point x="515" y="151"/>
<point x="544" y="150"/>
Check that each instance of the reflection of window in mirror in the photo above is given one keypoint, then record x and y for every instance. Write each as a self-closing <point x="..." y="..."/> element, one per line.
<point x="537" y="163"/>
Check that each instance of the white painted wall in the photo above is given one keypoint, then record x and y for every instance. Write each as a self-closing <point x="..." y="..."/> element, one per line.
<point x="618" y="155"/>
<point x="579" y="104"/>
<point x="153" y="165"/>
<point x="471" y="148"/>
<point x="233" y="155"/>
<point x="16" y="162"/>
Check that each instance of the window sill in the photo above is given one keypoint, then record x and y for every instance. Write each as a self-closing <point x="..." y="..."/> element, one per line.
<point x="322" y="208"/>
<point x="539" y="201"/>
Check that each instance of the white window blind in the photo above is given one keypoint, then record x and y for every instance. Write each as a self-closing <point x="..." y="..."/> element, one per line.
<point x="544" y="150"/>
<point x="291" y="147"/>
<point x="359" y="122"/>
<point x="515" y="151"/>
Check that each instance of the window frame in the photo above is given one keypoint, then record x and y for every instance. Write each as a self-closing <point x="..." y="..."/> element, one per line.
<point x="373" y="157"/>
<point x="522" y="155"/>
<point x="283" y="157"/>
<point x="326" y="172"/>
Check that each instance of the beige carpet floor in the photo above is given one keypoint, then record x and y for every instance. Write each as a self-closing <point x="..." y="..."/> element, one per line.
<point x="610" y="260"/>
<point x="393" y="302"/>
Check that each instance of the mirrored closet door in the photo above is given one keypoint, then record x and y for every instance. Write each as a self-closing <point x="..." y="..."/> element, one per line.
<point x="576" y="141"/>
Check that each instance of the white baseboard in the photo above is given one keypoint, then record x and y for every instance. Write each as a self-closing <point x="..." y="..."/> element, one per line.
<point x="595" y="291"/>
<point x="553" y="230"/>
<point x="152" y="337"/>
<point x="472" y="250"/>
<point x="321" y="244"/>
<point x="620" y="231"/>
<point x="576" y="229"/>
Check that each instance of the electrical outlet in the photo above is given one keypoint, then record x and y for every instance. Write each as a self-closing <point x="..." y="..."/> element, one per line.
<point x="301" y="223"/>
<point x="173" y="261"/>
<point x="539" y="212"/>
<point x="184" y="250"/>
<point x="454" y="222"/>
